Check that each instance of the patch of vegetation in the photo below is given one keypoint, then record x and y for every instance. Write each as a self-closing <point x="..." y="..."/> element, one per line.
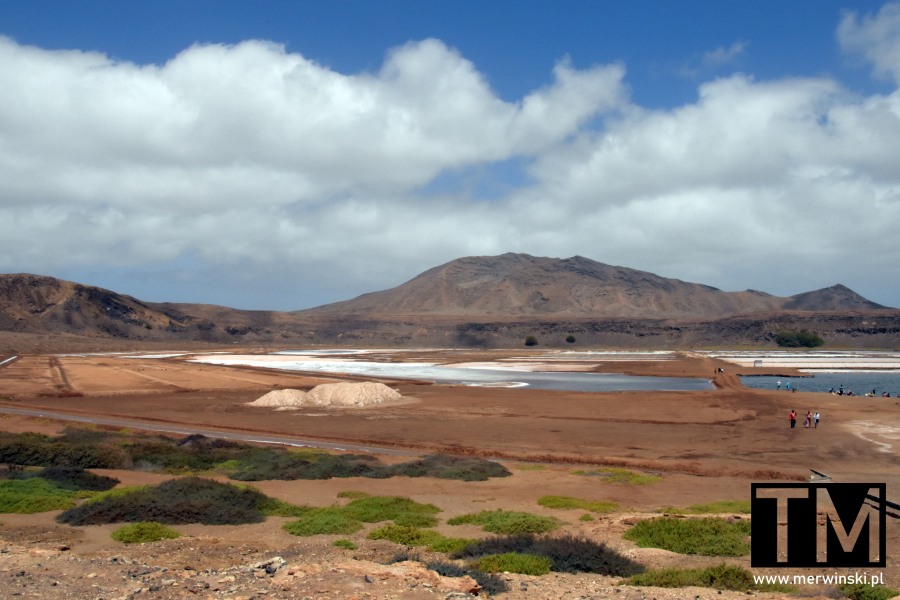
<point x="352" y="494"/>
<point x="530" y="467"/>
<point x="346" y="544"/>
<point x="531" y="341"/>
<point x="709" y="536"/>
<point x="143" y="532"/>
<point x="400" y="510"/>
<point x="570" y="503"/>
<point x="515" y="562"/>
<point x="324" y="521"/>
<point x="792" y="338"/>
<point x="570" y="339"/>
<point x="178" y="501"/>
<point x="617" y="475"/>
<point x="586" y="517"/>
<point x="413" y="536"/>
<point x="567" y="553"/>
<point x="91" y="448"/>
<point x="860" y="591"/>
<point x="34" y="495"/>
<point x="507" y="522"/>
<point x="720" y="577"/>
<point x="451" y="467"/>
<point x="54" y="488"/>
<point x="721" y="506"/>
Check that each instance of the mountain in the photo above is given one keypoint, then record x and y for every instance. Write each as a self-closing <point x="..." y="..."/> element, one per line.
<point x="490" y="301"/>
<point x="519" y="285"/>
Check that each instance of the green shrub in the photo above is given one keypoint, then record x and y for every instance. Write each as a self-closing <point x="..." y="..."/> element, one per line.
<point x="791" y="338"/>
<point x="144" y="531"/>
<point x="568" y="503"/>
<point x="34" y="495"/>
<point x="531" y="341"/>
<point x="721" y="577"/>
<point x="346" y="544"/>
<point x="76" y="479"/>
<point x="860" y="591"/>
<point x="402" y="511"/>
<point x="721" y="506"/>
<point x="617" y="475"/>
<point x="709" y="536"/>
<point x="450" y="467"/>
<point x="507" y="522"/>
<point x="586" y="517"/>
<point x="178" y="501"/>
<point x="324" y="521"/>
<point x="405" y="535"/>
<point x="352" y="494"/>
<point x="515" y="562"/>
<point x="567" y="553"/>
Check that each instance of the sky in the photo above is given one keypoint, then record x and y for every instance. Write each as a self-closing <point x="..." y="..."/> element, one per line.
<point x="280" y="155"/>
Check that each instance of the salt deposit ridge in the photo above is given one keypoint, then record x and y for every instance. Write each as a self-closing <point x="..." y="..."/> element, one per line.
<point x="556" y="371"/>
<point x="813" y="361"/>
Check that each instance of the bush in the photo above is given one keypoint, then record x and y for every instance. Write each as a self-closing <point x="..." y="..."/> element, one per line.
<point x="798" y="339"/>
<point x="144" y="531"/>
<point x="178" y="501"/>
<point x="507" y="522"/>
<point x="568" y="503"/>
<point x="346" y="544"/>
<point x="531" y="341"/>
<point x="708" y="536"/>
<point x="721" y="506"/>
<point x="515" y="562"/>
<point x="860" y="591"/>
<point x="402" y="511"/>
<point x="33" y="495"/>
<point x="570" y="339"/>
<point x="721" y="577"/>
<point x="567" y="553"/>
<point x="324" y="521"/>
<point x="617" y="475"/>
<point x="451" y="467"/>
<point x="405" y="535"/>
<point x="76" y="479"/>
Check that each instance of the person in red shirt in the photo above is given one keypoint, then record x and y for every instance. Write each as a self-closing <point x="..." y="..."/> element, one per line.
<point x="793" y="416"/>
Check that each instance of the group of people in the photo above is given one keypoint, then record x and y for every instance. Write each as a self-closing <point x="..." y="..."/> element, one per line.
<point x="812" y="420"/>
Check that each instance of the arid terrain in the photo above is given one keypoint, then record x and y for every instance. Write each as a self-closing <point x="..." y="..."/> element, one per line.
<point x="706" y="446"/>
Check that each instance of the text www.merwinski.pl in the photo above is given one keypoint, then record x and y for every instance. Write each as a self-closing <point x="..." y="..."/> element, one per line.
<point x="872" y="579"/>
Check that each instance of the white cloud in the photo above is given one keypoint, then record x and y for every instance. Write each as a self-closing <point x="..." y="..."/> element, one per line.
<point x="876" y="38"/>
<point x="301" y="182"/>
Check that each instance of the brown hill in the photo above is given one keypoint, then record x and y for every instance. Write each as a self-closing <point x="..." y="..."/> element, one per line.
<point x="519" y="285"/>
<point x="475" y="301"/>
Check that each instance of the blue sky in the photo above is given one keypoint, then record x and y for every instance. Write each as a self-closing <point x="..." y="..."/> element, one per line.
<point x="282" y="155"/>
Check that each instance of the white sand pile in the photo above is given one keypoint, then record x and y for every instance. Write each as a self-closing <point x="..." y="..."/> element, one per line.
<point x="281" y="399"/>
<point x="330" y="394"/>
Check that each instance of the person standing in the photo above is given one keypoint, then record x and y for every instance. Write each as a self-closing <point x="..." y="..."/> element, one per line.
<point x="816" y="418"/>
<point x="808" y="421"/>
<point x="793" y="417"/>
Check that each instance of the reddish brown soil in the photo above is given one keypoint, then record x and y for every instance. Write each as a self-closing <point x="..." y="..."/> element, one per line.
<point x="705" y="445"/>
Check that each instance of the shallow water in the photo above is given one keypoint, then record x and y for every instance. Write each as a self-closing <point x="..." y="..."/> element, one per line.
<point x="860" y="382"/>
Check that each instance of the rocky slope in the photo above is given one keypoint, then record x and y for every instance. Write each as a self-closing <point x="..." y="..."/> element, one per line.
<point x="481" y="301"/>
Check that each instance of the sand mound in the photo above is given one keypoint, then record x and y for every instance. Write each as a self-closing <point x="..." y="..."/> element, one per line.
<point x="330" y="394"/>
<point x="280" y="399"/>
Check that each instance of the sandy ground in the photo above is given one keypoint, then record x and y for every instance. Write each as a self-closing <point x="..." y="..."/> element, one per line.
<point x="705" y="445"/>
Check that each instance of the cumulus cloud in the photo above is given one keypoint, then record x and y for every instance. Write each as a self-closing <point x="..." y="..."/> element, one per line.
<point x="875" y="37"/>
<point x="275" y="182"/>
